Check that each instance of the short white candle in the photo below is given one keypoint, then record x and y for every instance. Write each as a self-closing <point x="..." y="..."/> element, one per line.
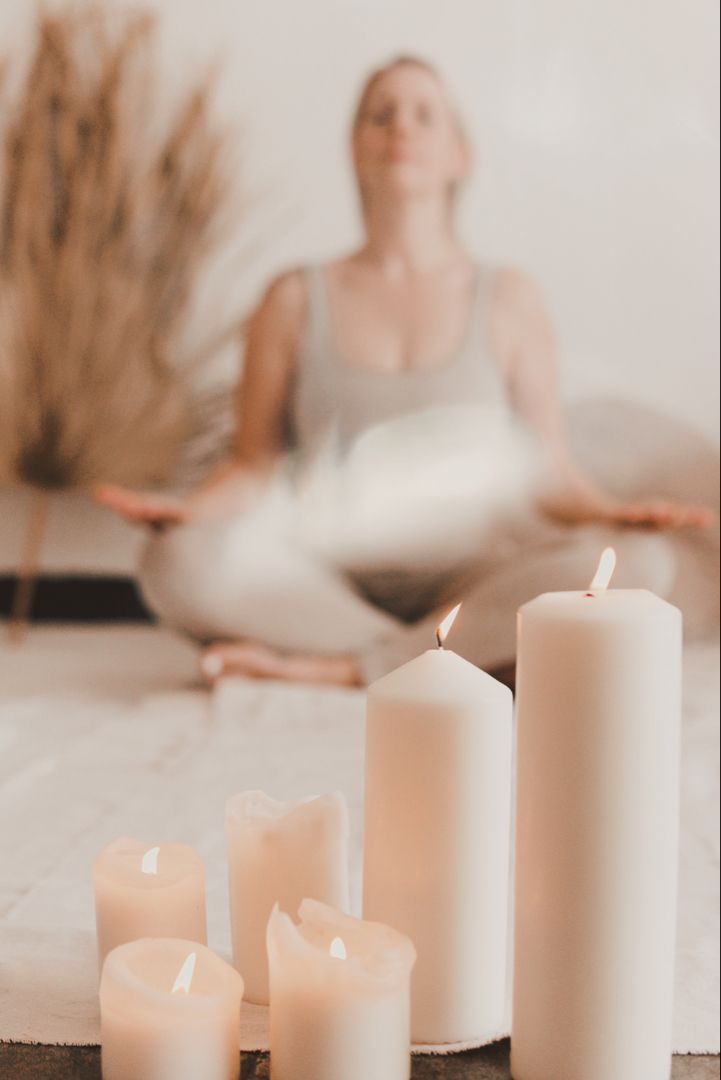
<point x="169" y="1010"/>
<point x="437" y="837"/>
<point x="148" y="890"/>
<point x="599" y="707"/>
<point x="280" y="853"/>
<point x="340" y="997"/>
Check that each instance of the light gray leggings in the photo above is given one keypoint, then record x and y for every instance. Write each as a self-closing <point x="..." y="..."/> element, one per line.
<point x="485" y="630"/>
<point x="241" y="579"/>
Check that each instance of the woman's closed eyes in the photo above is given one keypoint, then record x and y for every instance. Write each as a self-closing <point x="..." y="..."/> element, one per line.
<point x="387" y="114"/>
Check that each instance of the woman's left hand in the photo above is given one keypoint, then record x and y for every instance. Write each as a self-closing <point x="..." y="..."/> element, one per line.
<point x="589" y="506"/>
<point x="662" y="514"/>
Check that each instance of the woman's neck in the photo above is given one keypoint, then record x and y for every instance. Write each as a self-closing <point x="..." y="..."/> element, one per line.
<point x="410" y="238"/>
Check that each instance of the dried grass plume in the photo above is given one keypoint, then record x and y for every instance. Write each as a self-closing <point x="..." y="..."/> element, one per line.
<point x="104" y="228"/>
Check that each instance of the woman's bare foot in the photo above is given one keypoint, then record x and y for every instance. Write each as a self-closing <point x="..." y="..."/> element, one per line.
<point x="254" y="660"/>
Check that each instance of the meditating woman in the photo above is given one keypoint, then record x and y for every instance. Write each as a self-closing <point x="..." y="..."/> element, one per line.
<point x="407" y="323"/>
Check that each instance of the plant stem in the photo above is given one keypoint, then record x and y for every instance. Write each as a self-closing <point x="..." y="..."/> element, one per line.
<point x="29" y="565"/>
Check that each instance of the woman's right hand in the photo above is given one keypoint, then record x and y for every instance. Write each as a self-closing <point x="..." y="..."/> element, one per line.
<point x="157" y="512"/>
<point x="229" y="490"/>
<point x="273" y="336"/>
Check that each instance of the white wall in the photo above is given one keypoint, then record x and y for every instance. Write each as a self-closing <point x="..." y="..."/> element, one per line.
<point x="595" y="127"/>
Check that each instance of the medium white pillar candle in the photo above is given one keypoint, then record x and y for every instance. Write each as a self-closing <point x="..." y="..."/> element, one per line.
<point x="280" y="853"/>
<point x="148" y="890"/>
<point x="339" y="997"/>
<point x="437" y="837"/>
<point x="169" y="1010"/>
<point x="599" y="706"/>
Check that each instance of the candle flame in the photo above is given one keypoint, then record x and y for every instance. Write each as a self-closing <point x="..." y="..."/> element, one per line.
<point x="444" y="629"/>
<point x="605" y="570"/>
<point x="149" y="862"/>
<point x="185" y="975"/>
<point x="338" y="949"/>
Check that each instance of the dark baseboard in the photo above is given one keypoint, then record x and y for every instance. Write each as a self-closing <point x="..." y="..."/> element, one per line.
<point x="79" y="598"/>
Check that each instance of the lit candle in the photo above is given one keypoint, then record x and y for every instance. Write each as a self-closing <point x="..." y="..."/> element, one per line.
<point x="599" y="706"/>
<point x="147" y="890"/>
<point x="339" y="997"/>
<point x="437" y="825"/>
<point x="280" y="853"/>
<point x="169" y="1010"/>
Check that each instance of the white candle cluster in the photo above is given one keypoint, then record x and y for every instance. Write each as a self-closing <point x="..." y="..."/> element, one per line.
<point x="597" y="829"/>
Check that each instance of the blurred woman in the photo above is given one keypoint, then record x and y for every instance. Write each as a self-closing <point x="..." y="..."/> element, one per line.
<point x="408" y="322"/>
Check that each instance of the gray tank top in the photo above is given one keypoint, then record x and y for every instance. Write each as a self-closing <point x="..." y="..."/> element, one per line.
<point x="331" y="396"/>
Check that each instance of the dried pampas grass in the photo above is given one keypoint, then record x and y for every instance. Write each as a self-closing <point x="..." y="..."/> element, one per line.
<point x="104" y="228"/>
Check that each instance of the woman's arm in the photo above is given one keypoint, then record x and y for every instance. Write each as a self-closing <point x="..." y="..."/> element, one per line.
<point x="262" y="393"/>
<point x="261" y="402"/>
<point x="525" y="344"/>
<point x="261" y="410"/>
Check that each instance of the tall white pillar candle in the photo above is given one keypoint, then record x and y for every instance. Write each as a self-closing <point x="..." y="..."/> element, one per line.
<point x="169" y="1010"/>
<point x="280" y="853"/>
<point x="599" y="696"/>
<point x="437" y="825"/>
<point x="148" y="890"/>
<point x="339" y="997"/>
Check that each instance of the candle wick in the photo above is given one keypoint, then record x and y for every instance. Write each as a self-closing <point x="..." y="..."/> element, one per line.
<point x="444" y="629"/>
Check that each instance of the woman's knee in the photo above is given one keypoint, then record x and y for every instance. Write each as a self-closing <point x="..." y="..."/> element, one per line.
<point x="173" y="580"/>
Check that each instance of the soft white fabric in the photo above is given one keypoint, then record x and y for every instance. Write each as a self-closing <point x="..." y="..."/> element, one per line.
<point x="249" y="577"/>
<point x="424" y="492"/>
<point x="101" y="734"/>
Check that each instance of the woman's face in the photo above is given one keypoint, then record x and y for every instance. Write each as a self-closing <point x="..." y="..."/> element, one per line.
<point x="406" y="140"/>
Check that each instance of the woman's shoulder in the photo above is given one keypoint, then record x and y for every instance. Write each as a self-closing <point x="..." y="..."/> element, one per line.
<point x="292" y="289"/>
<point x="287" y="289"/>
<point x="515" y="288"/>
<point x="519" y="320"/>
<point x="284" y="302"/>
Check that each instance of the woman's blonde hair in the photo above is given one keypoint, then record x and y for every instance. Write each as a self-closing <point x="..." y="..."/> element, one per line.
<point x="408" y="60"/>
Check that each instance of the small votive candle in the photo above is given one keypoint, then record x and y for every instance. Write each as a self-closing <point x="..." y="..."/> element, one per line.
<point x="339" y="997"/>
<point x="169" y="1010"/>
<point x="147" y="890"/>
<point x="280" y="853"/>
